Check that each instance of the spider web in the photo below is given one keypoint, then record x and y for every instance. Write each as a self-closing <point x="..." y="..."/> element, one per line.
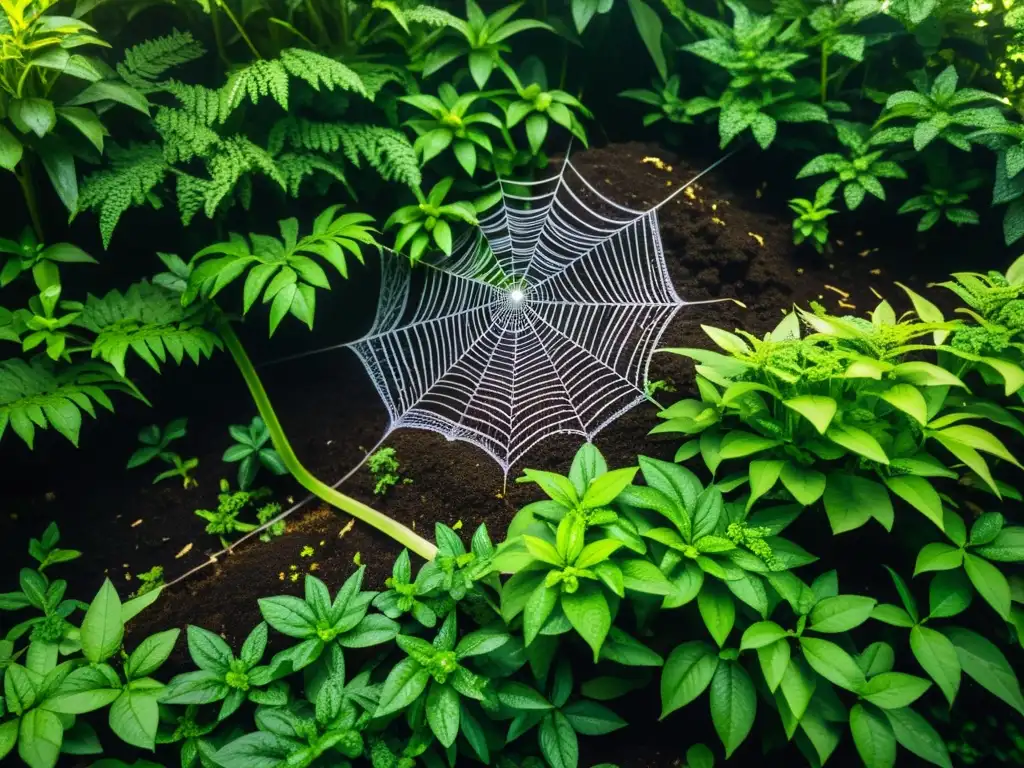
<point x="541" y="322"/>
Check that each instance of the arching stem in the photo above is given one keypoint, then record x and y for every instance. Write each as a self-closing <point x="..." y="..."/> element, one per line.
<point x="400" y="533"/>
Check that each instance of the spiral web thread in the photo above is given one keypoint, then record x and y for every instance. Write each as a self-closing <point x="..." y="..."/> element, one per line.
<point x="541" y="322"/>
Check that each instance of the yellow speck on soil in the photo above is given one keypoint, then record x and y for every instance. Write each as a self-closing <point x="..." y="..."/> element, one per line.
<point x="457" y="526"/>
<point x="717" y="220"/>
<point x="847" y="305"/>
<point x="127" y="577"/>
<point x="658" y="163"/>
<point x="714" y="206"/>
<point x="668" y="183"/>
<point x="322" y="542"/>
<point x="347" y="527"/>
<point x="184" y="551"/>
<point x="280" y="576"/>
<point x="306" y="551"/>
<point x="866" y="252"/>
<point x="314" y="567"/>
<point x="294" y="577"/>
<point x="357" y="558"/>
<point x="690" y="193"/>
<point x="799" y="270"/>
<point x="832" y="288"/>
<point x="293" y="567"/>
<point x="759" y="238"/>
<point x="876" y="271"/>
<point x="878" y="296"/>
<point x="137" y="523"/>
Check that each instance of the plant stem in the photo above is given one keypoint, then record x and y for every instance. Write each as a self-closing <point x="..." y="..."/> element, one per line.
<point x="238" y="25"/>
<point x="357" y="509"/>
<point x="824" y="73"/>
<point x="217" y="36"/>
<point x="24" y="173"/>
<point x="344" y="25"/>
<point x="321" y="30"/>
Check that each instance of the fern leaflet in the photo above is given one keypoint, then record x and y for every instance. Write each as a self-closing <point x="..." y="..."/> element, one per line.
<point x="261" y="78"/>
<point x="144" y="63"/>
<point x="149" y="320"/>
<point x="39" y="394"/>
<point x="320" y="70"/>
<point x="386" y="150"/>
<point x="295" y="167"/>
<point x="130" y="179"/>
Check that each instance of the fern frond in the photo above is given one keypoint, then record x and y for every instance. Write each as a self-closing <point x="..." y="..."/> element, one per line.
<point x="432" y="17"/>
<point x="386" y="150"/>
<point x="231" y="158"/>
<point x="376" y="76"/>
<point x="201" y="102"/>
<point x="258" y="79"/>
<point x="144" y="63"/>
<point x="42" y="394"/>
<point x="185" y="134"/>
<point x="298" y="133"/>
<point x="295" y="167"/>
<point x="149" y="320"/>
<point x="129" y="180"/>
<point x="320" y="70"/>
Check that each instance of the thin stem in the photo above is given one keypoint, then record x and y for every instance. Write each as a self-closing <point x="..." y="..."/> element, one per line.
<point x="344" y="25"/>
<point x="218" y="36"/>
<point x="24" y="173"/>
<point x="824" y="72"/>
<point x="318" y="23"/>
<point x="400" y="533"/>
<point x="238" y="25"/>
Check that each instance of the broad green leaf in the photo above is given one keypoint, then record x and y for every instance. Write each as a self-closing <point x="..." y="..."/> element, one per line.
<point x="588" y="612"/>
<point x="733" y="705"/>
<point x="986" y="665"/>
<point x="990" y="583"/>
<point x="1006" y="547"/>
<point x="774" y="660"/>
<point x="592" y="719"/>
<point x="938" y="556"/>
<point x="833" y="663"/>
<point x="851" y="501"/>
<point x="289" y="616"/>
<point x="718" y="610"/>
<point x="134" y="718"/>
<point x="443" y="713"/>
<point x="893" y="690"/>
<point x="915" y="734"/>
<point x="840" y="613"/>
<point x="919" y="494"/>
<point x="102" y="629"/>
<point x="949" y="594"/>
<point x="403" y="686"/>
<point x="937" y="656"/>
<point x="857" y="441"/>
<point x="797" y="686"/>
<point x="151" y="653"/>
<point x="603" y="490"/>
<point x="761" y="634"/>
<point x="807" y="485"/>
<point x="736" y="445"/>
<point x="686" y="674"/>
<point x="40" y="736"/>
<point x="872" y="736"/>
<point x="763" y="476"/>
<point x="908" y="399"/>
<point x="817" y="409"/>
<point x="558" y="742"/>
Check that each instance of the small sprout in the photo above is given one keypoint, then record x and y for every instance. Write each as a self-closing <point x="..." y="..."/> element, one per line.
<point x="154" y="442"/>
<point x="294" y="577"/>
<point x="383" y="465"/>
<point x="306" y="551"/>
<point x="151" y="579"/>
<point x="357" y="559"/>
<point x="457" y="526"/>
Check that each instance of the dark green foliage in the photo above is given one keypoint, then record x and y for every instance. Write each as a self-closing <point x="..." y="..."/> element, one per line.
<point x="251" y="451"/>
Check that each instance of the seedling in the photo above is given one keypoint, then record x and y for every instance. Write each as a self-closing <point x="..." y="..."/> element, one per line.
<point x="385" y="470"/>
<point x="154" y="446"/>
<point x="224" y="521"/>
<point x="151" y="579"/>
<point x="252" y="451"/>
<point x="265" y="514"/>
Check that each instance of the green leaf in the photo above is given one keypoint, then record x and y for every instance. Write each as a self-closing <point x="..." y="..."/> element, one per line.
<point x="536" y="131"/>
<point x="11" y="150"/>
<point x="833" y="663"/>
<point x="774" y="660"/>
<point x="763" y="476"/>
<point x="592" y="719"/>
<point x="736" y="445"/>
<point x="289" y="616"/>
<point x="8" y="736"/>
<point x="1006" y="547"/>
<point x="603" y="490"/>
<point x="649" y="25"/>
<point x="986" y="665"/>
<point x="111" y="90"/>
<point x="938" y="556"/>
<point x="588" y="612"/>
<point x="990" y="583"/>
<point x="521" y="696"/>
<point x="797" y="686"/>
<point x="949" y="594"/>
<point x="134" y="718"/>
<point x="443" y="713"/>
<point x="687" y="672"/>
<point x="986" y="528"/>
<point x="858" y="441"/>
<point x="718" y="610"/>
<point x="151" y="653"/>
<point x="403" y="686"/>
<point x="733" y="705"/>
<point x="32" y="115"/>
<point x="807" y="485"/>
<point x="851" y="501"/>
<point x="915" y="734"/>
<point x="919" y="494"/>
<point x="906" y="597"/>
<point x="558" y="742"/>
<point x="893" y="690"/>
<point x="873" y="737"/>
<point x="761" y="634"/>
<point x="908" y="399"/>
<point x="938" y="657"/>
<point x="841" y="613"/>
<point x="817" y="409"/>
<point x="40" y="736"/>
<point x="102" y="629"/>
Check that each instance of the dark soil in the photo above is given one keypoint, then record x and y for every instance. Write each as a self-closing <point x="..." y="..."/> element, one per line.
<point x="722" y="242"/>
